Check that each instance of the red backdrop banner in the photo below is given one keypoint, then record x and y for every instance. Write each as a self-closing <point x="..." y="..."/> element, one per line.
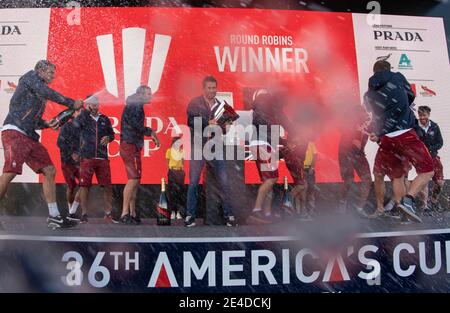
<point x="314" y="52"/>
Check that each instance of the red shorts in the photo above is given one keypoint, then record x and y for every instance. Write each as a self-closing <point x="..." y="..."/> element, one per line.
<point x="266" y="162"/>
<point x="131" y="156"/>
<point x="395" y="154"/>
<point x="438" y="169"/>
<point x="380" y="168"/>
<point x="294" y="159"/>
<point x="71" y="174"/>
<point x="101" y="169"/>
<point x="19" y="148"/>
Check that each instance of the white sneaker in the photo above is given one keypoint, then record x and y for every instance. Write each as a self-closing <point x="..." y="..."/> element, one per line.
<point x="189" y="221"/>
<point x="179" y="217"/>
<point x="172" y="215"/>
<point x="231" y="221"/>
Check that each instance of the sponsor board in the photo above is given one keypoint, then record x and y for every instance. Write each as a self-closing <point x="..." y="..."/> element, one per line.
<point x="416" y="47"/>
<point x="166" y="49"/>
<point x="376" y="262"/>
<point x="23" y="41"/>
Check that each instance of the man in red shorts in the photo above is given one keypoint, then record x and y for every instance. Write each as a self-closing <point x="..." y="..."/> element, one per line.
<point x="430" y="133"/>
<point x="96" y="133"/>
<point x="265" y="151"/>
<point x="20" y="140"/>
<point x="69" y="147"/>
<point x="268" y="116"/>
<point x="389" y="98"/>
<point x="132" y="135"/>
<point x="293" y="152"/>
<point x="380" y="171"/>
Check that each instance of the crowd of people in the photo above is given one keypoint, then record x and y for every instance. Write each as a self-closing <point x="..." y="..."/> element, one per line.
<point x="386" y="117"/>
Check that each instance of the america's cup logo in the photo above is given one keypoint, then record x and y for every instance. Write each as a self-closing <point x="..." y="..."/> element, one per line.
<point x="133" y="43"/>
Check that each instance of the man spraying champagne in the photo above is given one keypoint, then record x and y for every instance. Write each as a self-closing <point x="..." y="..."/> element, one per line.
<point x="21" y="141"/>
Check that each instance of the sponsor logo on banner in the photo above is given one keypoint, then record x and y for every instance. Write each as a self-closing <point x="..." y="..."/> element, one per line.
<point x="404" y="63"/>
<point x="397" y="35"/>
<point x="133" y="46"/>
<point x="384" y="57"/>
<point x="133" y="42"/>
<point x="10" y="30"/>
<point x="413" y="88"/>
<point x="427" y="92"/>
<point x="11" y="87"/>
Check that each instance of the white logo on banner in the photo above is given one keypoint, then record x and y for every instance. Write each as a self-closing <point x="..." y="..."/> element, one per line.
<point x="133" y="42"/>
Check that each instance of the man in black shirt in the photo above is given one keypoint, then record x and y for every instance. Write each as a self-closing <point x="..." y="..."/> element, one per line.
<point x="69" y="146"/>
<point x="430" y="133"/>
<point x="389" y="99"/>
<point x="132" y="134"/>
<point x="96" y="133"/>
<point x="199" y="113"/>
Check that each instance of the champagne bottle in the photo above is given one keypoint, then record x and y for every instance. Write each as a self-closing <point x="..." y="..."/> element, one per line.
<point x="63" y="117"/>
<point x="162" y="211"/>
<point x="287" y="205"/>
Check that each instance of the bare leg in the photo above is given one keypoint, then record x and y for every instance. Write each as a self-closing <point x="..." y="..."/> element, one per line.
<point x="407" y="182"/>
<point x="267" y="206"/>
<point x="399" y="188"/>
<point x="5" y="180"/>
<point x="108" y="198"/>
<point x="380" y="189"/>
<point x="133" y="202"/>
<point x="48" y="183"/>
<point x="78" y="196"/>
<point x="419" y="183"/>
<point x="76" y="199"/>
<point x="128" y="193"/>
<point x="70" y="195"/>
<point x="263" y="190"/>
<point x="84" y="193"/>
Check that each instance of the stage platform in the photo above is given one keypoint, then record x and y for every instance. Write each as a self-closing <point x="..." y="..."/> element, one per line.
<point x="330" y="254"/>
<point x="98" y="228"/>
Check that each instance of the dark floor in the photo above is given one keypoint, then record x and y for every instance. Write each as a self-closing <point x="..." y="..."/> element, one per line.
<point x="36" y="226"/>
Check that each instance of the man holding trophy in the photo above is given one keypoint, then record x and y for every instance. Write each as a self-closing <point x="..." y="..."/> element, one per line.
<point x="21" y="141"/>
<point x="203" y="111"/>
